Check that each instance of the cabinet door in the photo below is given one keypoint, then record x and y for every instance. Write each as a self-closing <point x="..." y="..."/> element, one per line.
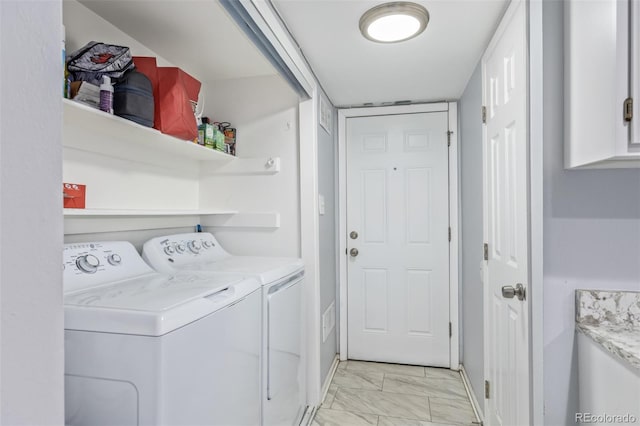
<point x="602" y="68"/>
<point x="634" y="80"/>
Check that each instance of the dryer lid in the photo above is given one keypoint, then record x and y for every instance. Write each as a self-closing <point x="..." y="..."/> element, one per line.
<point x="266" y="269"/>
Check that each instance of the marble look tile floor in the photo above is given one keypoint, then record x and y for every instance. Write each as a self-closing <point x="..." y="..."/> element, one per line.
<point x="370" y="393"/>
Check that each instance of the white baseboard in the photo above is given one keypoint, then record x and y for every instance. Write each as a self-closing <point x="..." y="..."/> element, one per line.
<point x="329" y="378"/>
<point x="472" y="396"/>
<point x="311" y="411"/>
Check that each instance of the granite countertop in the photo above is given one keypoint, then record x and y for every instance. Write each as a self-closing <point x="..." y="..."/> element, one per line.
<point x="612" y="319"/>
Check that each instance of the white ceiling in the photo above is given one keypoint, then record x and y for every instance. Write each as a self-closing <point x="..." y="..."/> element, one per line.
<point x="433" y="66"/>
<point x="198" y="35"/>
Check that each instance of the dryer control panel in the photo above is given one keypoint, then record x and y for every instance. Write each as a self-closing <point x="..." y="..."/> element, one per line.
<point x="167" y="254"/>
<point x="87" y="265"/>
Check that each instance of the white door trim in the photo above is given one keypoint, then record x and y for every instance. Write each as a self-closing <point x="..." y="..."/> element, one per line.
<point x="536" y="176"/>
<point x="343" y="114"/>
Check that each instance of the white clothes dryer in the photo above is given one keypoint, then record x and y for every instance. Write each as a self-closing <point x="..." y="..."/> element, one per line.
<point x="143" y="348"/>
<point x="283" y="373"/>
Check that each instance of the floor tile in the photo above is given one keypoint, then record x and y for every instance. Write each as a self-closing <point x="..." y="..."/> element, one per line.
<point x="395" y="421"/>
<point x="455" y="411"/>
<point x="439" y="388"/>
<point x="382" y="403"/>
<point x="331" y="394"/>
<point x="328" y="417"/>
<point x="358" y="379"/>
<point x="409" y="370"/>
<point x="342" y="365"/>
<point x="442" y="373"/>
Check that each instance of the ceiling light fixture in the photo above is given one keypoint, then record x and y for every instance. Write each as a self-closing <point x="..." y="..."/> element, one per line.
<point x="394" y="22"/>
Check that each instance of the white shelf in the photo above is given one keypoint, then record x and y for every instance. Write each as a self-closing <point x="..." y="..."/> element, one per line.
<point x="142" y="212"/>
<point x="88" y="221"/>
<point x="92" y="130"/>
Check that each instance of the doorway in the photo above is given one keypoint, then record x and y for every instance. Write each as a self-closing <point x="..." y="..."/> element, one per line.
<point x="398" y="269"/>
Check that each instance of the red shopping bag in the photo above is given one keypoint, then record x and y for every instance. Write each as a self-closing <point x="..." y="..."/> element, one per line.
<point x="147" y="65"/>
<point x="177" y="96"/>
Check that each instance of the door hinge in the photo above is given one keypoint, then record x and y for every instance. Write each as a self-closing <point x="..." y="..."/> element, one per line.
<point x="449" y="133"/>
<point x="449" y="234"/>
<point x="486" y="251"/>
<point x="450" y="330"/>
<point x="484" y="115"/>
<point x="486" y="389"/>
<point x="628" y="109"/>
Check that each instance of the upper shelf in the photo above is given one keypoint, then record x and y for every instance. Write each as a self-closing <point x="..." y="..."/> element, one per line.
<point x="92" y="130"/>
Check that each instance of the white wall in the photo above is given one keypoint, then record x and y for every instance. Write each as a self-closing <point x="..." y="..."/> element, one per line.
<point x="591" y="234"/>
<point x="327" y="223"/>
<point x="113" y="183"/>
<point x="31" y="326"/>
<point x="471" y="232"/>
<point x="265" y="112"/>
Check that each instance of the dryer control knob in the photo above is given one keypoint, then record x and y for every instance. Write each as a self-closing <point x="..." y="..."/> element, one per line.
<point x="88" y="263"/>
<point x="114" y="259"/>
<point x="169" y="250"/>
<point x="180" y="248"/>
<point x="194" y="246"/>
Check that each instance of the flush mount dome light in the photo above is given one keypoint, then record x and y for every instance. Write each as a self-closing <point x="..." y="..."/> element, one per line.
<point x="394" y="22"/>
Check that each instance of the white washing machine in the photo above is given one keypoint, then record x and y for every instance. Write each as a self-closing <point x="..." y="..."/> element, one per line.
<point x="283" y="373"/>
<point x="143" y="348"/>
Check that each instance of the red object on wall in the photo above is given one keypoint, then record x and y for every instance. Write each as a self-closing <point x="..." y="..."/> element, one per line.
<point x="73" y="195"/>
<point x="147" y="65"/>
<point x="177" y="92"/>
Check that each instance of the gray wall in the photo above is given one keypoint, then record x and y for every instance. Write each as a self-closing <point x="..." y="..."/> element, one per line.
<point x="471" y="232"/>
<point x="591" y="234"/>
<point x="32" y="315"/>
<point x="328" y="224"/>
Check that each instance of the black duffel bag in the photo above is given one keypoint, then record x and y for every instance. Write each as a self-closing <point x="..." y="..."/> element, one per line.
<point x="133" y="98"/>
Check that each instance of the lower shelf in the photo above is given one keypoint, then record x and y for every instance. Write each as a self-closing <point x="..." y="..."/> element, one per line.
<point x="90" y="221"/>
<point x="141" y="213"/>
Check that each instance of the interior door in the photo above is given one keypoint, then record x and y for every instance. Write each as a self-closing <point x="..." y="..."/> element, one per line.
<point x="398" y="221"/>
<point x="505" y="157"/>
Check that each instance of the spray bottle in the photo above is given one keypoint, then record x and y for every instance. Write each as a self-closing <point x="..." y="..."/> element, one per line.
<point x="106" y="95"/>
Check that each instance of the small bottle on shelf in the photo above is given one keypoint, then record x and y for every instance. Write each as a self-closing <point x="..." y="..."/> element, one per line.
<point x="106" y="95"/>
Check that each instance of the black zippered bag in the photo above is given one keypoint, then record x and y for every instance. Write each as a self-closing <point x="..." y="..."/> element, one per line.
<point x="133" y="98"/>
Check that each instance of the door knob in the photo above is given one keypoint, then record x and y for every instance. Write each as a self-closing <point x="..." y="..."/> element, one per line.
<point x="353" y="235"/>
<point x="509" y="292"/>
<point x="353" y="252"/>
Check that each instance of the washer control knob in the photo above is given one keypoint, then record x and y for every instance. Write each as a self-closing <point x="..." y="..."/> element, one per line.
<point x="169" y="250"/>
<point x="194" y="246"/>
<point x="180" y="248"/>
<point x="207" y="244"/>
<point x="114" y="259"/>
<point x="88" y="263"/>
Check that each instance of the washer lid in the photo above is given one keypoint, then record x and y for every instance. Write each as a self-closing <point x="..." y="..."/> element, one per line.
<point x="152" y="304"/>
<point x="265" y="269"/>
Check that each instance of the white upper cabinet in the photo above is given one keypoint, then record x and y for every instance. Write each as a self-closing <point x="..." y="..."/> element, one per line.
<point x="602" y="79"/>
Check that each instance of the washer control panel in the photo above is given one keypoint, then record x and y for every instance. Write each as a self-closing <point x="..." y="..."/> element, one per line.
<point x="167" y="254"/>
<point x="87" y="265"/>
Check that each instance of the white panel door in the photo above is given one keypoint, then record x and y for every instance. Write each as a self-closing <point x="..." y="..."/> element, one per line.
<point x="398" y="204"/>
<point x="505" y="157"/>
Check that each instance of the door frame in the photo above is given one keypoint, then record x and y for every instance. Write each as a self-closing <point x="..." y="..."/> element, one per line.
<point x="454" y="215"/>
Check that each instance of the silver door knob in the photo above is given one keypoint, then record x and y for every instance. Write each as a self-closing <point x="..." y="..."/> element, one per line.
<point x="353" y="252"/>
<point x="353" y="235"/>
<point x="518" y="291"/>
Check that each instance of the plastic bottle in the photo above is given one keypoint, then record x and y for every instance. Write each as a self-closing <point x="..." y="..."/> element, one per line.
<point x="106" y="95"/>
